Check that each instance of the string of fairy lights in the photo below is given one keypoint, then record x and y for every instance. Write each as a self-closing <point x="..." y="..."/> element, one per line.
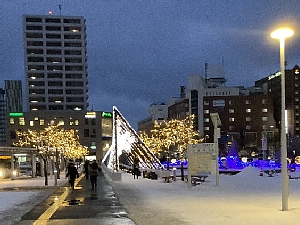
<point x="173" y="135"/>
<point x="52" y="139"/>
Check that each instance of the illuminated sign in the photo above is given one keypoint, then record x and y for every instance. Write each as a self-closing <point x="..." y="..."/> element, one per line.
<point x="5" y="157"/>
<point x="15" y="114"/>
<point x="106" y="115"/>
<point x="90" y="115"/>
<point x="274" y="75"/>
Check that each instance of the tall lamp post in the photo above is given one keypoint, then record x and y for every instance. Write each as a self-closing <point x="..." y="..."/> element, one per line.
<point x="282" y="34"/>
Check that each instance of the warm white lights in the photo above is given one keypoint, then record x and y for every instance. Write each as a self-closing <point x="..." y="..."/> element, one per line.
<point x="282" y="33"/>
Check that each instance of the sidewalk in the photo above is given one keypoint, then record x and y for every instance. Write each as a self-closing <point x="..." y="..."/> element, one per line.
<point x="81" y="205"/>
<point x="38" y="182"/>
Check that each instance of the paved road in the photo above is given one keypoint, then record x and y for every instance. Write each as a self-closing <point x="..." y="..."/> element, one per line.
<point x="79" y="206"/>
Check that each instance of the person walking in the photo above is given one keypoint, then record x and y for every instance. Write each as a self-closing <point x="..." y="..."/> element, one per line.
<point x="136" y="168"/>
<point x="93" y="171"/>
<point x="86" y="168"/>
<point x="72" y="174"/>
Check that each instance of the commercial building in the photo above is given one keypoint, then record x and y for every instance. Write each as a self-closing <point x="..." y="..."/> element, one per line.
<point x="158" y="111"/>
<point x="14" y="97"/>
<point x="55" y="62"/>
<point x="94" y="128"/>
<point x="271" y="85"/>
<point x="10" y="101"/>
<point x="2" y="117"/>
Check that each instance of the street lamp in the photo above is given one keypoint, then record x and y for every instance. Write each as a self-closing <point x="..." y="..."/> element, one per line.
<point x="282" y="34"/>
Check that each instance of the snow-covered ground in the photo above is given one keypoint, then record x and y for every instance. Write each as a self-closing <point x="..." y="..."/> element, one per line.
<point x="21" y="195"/>
<point x="243" y="199"/>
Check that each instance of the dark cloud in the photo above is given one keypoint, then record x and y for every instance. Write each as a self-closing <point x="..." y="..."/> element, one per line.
<point x="140" y="52"/>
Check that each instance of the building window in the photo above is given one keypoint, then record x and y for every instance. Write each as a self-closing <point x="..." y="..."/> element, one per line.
<point x="296" y="99"/>
<point x="248" y="102"/>
<point x="206" y="102"/>
<point x="206" y="120"/>
<point x="206" y="111"/>
<point x="86" y="122"/>
<point x="42" y="122"/>
<point x="86" y="132"/>
<point x="13" y="135"/>
<point x="61" y="121"/>
<point x="11" y="121"/>
<point x="93" y="122"/>
<point x="264" y="118"/>
<point x="264" y="101"/>
<point x="248" y="118"/>
<point x="231" y="128"/>
<point x="231" y="119"/>
<point x="230" y="102"/>
<point x="248" y="127"/>
<point x="248" y="110"/>
<point x="231" y="110"/>
<point x="31" y="123"/>
<point x="93" y="145"/>
<point x="264" y="110"/>
<point x="76" y="122"/>
<point x="21" y="121"/>
<point x="206" y="128"/>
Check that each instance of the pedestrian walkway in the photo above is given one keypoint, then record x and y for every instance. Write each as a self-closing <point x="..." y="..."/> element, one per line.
<point x="79" y="206"/>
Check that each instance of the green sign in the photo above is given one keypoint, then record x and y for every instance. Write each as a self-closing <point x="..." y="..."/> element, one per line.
<point x="15" y="114"/>
<point x="106" y="115"/>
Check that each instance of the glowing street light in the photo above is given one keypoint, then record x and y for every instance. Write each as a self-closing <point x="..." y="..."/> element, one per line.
<point x="282" y="34"/>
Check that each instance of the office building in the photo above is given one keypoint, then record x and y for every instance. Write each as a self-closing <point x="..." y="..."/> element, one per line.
<point x="2" y="118"/>
<point x="55" y="62"/>
<point x="94" y="128"/>
<point x="13" y="93"/>
<point x="271" y="85"/>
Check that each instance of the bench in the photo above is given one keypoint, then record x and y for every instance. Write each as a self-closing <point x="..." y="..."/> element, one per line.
<point x="168" y="178"/>
<point x="196" y="179"/>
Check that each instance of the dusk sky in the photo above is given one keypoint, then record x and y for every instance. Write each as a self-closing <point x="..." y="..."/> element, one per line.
<point x="142" y="51"/>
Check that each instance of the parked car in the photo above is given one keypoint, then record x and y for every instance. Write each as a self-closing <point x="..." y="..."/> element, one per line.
<point x="25" y="168"/>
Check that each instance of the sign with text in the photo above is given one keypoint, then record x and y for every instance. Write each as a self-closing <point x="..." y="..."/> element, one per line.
<point x="199" y="158"/>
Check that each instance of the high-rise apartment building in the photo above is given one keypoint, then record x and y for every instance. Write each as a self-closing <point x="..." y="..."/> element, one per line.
<point x="2" y="117"/>
<point x="13" y="93"/>
<point x="55" y="62"/>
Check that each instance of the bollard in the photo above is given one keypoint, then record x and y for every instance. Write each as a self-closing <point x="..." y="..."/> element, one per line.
<point x="174" y="174"/>
<point x="55" y="177"/>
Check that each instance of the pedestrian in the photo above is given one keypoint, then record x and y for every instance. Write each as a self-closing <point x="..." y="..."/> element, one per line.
<point x="136" y="170"/>
<point x="72" y="174"/>
<point x="93" y="171"/>
<point x="86" y="168"/>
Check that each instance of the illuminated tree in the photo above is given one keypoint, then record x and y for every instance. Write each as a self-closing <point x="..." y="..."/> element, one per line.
<point x="52" y="141"/>
<point x="172" y="136"/>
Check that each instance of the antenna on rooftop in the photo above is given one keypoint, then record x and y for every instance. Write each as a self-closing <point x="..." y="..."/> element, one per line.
<point x="59" y="6"/>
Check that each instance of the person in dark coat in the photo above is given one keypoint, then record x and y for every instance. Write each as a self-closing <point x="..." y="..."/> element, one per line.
<point x="93" y="171"/>
<point x="72" y="174"/>
<point x="86" y="168"/>
<point x="136" y="168"/>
